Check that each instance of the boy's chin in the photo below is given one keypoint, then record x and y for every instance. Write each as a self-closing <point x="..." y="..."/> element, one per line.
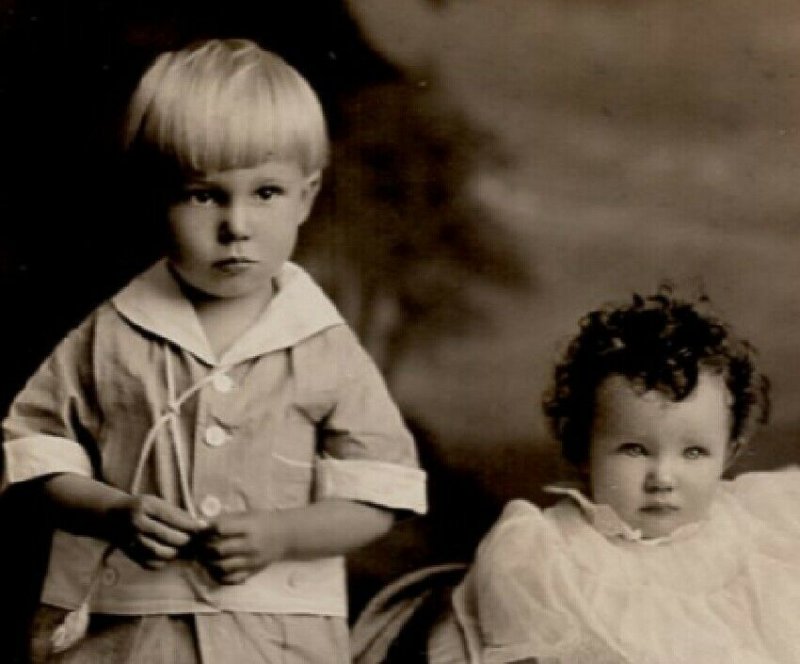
<point x="228" y="294"/>
<point x="197" y="290"/>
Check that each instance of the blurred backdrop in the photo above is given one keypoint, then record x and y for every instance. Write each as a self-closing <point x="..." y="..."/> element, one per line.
<point x="499" y="169"/>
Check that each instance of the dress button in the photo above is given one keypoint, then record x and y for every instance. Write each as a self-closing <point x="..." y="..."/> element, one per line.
<point x="109" y="576"/>
<point x="211" y="506"/>
<point x="222" y="383"/>
<point x="215" y="436"/>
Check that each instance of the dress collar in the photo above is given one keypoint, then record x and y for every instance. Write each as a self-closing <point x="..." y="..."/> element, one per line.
<point x="155" y="302"/>
<point x="608" y="523"/>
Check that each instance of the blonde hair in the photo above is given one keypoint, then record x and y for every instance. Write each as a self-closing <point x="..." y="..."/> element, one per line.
<point x="226" y="103"/>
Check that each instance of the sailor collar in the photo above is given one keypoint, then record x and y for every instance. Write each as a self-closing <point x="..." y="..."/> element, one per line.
<point x="154" y="302"/>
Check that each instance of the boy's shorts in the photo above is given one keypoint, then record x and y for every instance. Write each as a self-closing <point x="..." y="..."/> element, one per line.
<point x="220" y="638"/>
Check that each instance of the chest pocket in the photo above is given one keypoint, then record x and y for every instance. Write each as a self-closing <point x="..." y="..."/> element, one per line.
<point x="293" y="477"/>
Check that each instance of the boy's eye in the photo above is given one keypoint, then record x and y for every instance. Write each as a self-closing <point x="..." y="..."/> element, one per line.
<point x="200" y="196"/>
<point x="268" y="192"/>
<point x="695" y="452"/>
<point x="632" y="449"/>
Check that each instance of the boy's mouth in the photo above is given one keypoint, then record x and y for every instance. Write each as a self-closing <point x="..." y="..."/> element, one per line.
<point x="234" y="264"/>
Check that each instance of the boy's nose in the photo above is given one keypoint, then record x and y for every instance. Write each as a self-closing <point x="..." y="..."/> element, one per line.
<point x="660" y="476"/>
<point x="234" y="226"/>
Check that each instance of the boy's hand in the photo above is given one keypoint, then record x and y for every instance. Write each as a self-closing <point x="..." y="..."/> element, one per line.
<point x="236" y="546"/>
<point x="150" y="530"/>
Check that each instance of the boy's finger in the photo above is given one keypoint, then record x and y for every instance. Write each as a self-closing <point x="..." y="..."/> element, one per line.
<point x="234" y="579"/>
<point x="163" y="533"/>
<point x="174" y="516"/>
<point x="156" y="549"/>
<point x="228" y="525"/>
<point x="218" y="549"/>
<point x="221" y="570"/>
<point x="230" y="565"/>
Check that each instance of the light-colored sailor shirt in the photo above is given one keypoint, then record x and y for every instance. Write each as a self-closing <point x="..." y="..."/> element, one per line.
<point x="293" y="412"/>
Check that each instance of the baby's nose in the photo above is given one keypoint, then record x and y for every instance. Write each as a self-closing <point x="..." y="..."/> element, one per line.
<point x="660" y="476"/>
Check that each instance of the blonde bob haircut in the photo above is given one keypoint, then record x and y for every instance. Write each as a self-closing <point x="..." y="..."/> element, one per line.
<point x="223" y="104"/>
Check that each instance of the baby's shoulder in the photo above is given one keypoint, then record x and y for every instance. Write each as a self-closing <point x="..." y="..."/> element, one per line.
<point x="771" y="497"/>
<point x="520" y="515"/>
<point x="523" y="530"/>
<point x="519" y="508"/>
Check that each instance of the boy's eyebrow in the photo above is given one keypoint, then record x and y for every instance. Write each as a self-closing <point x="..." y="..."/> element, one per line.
<point x="202" y="183"/>
<point x="191" y="180"/>
<point x="277" y="181"/>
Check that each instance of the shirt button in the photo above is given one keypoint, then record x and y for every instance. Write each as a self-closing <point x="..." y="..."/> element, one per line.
<point x="215" y="436"/>
<point x="211" y="506"/>
<point x="109" y="576"/>
<point x="222" y="383"/>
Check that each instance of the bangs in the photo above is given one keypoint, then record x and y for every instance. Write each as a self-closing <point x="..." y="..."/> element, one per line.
<point x="227" y="104"/>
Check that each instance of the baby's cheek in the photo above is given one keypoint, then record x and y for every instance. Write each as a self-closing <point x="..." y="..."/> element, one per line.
<point x="709" y="495"/>
<point x="703" y="496"/>
<point x="611" y="478"/>
<point x="608" y="491"/>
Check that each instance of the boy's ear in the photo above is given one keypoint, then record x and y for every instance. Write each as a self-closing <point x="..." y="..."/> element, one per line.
<point x="312" y="185"/>
<point x="311" y="188"/>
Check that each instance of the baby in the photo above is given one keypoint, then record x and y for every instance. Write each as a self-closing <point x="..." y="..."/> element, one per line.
<point x="653" y="557"/>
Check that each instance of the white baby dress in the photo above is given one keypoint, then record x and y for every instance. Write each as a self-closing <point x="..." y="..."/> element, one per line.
<point x="573" y="584"/>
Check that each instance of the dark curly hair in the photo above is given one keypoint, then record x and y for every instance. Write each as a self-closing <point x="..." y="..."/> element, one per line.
<point x="659" y="343"/>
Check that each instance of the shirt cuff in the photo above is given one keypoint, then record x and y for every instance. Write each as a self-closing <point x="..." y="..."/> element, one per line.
<point x="375" y="482"/>
<point x="36" y="456"/>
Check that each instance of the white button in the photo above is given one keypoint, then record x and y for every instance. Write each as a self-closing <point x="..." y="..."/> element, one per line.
<point x="222" y="383"/>
<point x="109" y="576"/>
<point x="215" y="436"/>
<point x="211" y="506"/>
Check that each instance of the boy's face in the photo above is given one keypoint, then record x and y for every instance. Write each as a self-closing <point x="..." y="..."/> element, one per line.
<point x="658" y="462"/>
<point x="232" y="230"/>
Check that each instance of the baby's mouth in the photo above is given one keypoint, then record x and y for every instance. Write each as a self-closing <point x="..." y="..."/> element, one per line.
<point x="659" y="509"/>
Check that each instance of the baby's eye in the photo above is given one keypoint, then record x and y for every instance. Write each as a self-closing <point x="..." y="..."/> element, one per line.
<point x="268" y="192"/>
<point x="695" y="452"/>
<point x="632" y="449"/>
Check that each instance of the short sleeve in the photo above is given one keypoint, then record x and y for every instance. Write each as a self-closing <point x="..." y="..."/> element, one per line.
<point x="52" y="423"/>
<point x="367" y="453"/>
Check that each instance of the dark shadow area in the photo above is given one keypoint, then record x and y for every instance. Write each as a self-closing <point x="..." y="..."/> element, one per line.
<point x="23" y="557"/>
<point x="466" y="492"/>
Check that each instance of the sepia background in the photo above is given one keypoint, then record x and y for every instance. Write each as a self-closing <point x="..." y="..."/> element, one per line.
<point x="499" y="169"/>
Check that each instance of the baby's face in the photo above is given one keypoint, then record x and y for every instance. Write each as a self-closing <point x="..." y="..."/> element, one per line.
<point x="231" y="231"/>
<point x="658" y="462"/>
